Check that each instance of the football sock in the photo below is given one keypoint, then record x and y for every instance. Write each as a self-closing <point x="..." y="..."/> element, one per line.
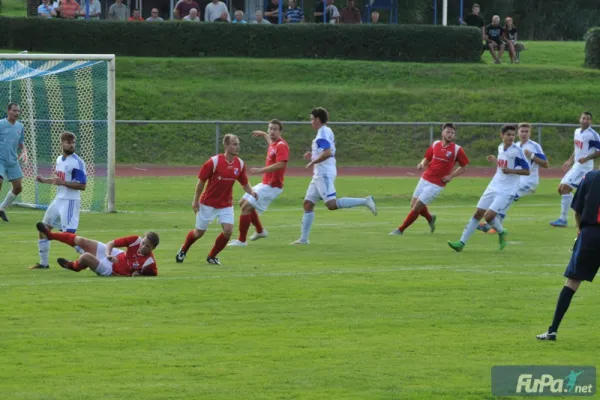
<point x="564" y="300"/>
<point x="64" y="237"/>
<point x="565" y="202"/>
<point x="44" y="248"/>
<point x="307" y="220"/>
<point x="245" y="221"/>
<point x="8" y="200"/>
<point x="349" y="202"/>
<point x="410" y="218"/>
<point x="496" y="223"/>
<point x="425" y="213"/>
<point x="256" y="221"/>
<point x="220" y="244"/>
<point x="190" y="239"/>
<point x="469" y="229"/>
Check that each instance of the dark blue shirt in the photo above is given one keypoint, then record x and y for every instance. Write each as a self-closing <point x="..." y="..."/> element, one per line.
<point x="587" y="199"/>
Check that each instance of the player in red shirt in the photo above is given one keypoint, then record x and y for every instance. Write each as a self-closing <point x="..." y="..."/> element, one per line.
<point x="221" y="172"/>
<point x="438" y="164"/>
<point x="271" y="186"/>
<point x="107" y="259"/>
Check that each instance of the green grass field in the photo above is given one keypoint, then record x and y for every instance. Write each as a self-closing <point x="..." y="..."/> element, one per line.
<point x="357" y="314"/>
<point x="13" y="8"/>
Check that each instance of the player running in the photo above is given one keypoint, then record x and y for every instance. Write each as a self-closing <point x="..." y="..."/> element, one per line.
<point x="221" y="172"/>
<point x="500" y="191"/>
<point x="12" y="137"/>
<point x="322" y="185"/>
<point x="107" y="259"/>
<point x="271" y="186"/>
<point x="527" y="184"/>
<point x="438" y="163"/>
<point x="587" y="147"/>
<point x="63" y="212"/>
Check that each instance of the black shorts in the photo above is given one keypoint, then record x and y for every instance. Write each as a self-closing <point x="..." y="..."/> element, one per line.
<point x="585" y="259"/>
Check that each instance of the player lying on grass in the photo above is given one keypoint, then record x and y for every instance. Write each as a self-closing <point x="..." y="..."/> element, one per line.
<point x="107" y="259"/>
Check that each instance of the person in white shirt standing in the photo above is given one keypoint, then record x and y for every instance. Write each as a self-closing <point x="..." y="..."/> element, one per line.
<point x="501" y="191"/>
<point x="214" y="10"/>
<point x="527" y="184"/>
<point x="63" y="212"/>
<point x="587" y="147"/>
<point x="322" y="186"/>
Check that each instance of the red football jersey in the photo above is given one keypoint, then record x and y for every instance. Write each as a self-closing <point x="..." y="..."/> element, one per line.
<point x="278" y="151"/>
<point x="131" y="260"/>
<point x="219" y="176"/>
<point x="441" y="161"/>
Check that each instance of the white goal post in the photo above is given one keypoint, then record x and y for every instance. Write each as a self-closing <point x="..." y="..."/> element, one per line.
<point x="57" y="92"/>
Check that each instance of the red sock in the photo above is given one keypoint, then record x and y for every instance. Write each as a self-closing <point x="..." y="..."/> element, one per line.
<point x="245" y="221"/>
<point x="64" y="237"/>
<point x="410" y="218"/>
<point x="220" y="244"/>
<point x="75" y="266"/>
<point x="256" y="221"/>
<point x="425" y="213"/>
<point x="189" y="241"/>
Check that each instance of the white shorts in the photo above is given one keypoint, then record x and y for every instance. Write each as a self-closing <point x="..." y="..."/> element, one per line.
<point x="426" y="191"/>
<point x="495" y="201"/>
<point x="207" y="214"/>
<point x="105" y="267"/>
<point x="321" y="187"/>
<point x="63" y="214"/>
<point x="525" y="188"/>
<point x="266" y="194"/>
<point x="574" y="176"/>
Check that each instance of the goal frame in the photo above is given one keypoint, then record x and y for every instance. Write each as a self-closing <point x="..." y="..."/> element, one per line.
<point x="111" y="102"/>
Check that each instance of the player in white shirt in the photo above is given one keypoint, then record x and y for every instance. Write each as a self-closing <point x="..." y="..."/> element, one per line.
<point x="501" y="191"/>
<point x="63" y="212"/>
<point x="527" y="184"/>
<point x="587" y="147"/>
<point x="322" y="185"/>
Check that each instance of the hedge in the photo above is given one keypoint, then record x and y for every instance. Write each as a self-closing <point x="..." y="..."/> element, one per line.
<point x="421" y="43"/>
<point x="592" y="48"/>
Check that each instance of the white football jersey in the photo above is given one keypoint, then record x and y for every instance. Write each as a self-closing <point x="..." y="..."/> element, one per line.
<point x="535" y="148"/>
<point x="512" y="158"/>
<point x="585" y="143"/>
<point x="324" y="140"/>
<point x="70" y="169"/>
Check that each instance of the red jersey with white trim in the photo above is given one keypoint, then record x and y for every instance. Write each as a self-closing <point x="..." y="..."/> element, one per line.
<point x="278" y="151"/>
<point x="131" y="260"/>
<point x="219" y="176"/>
<point x="441" y="161"/>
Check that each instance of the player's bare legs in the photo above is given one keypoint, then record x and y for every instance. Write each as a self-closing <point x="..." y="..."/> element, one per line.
<point x="17" y="187"/>
<point x="417" y="208"/>
<point x="248" y="217"/>
<point x="490" y="217"/>
<point x="190" y="239"/>
<point x="566" y="197"/>
<point x="219" y="245"/>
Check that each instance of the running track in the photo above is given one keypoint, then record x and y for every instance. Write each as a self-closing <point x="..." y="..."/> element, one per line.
<point x="162" y="170"/>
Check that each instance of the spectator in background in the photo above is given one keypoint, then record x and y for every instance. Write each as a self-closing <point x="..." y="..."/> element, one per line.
<point x="272" y="12"/>
<point x="136" y="16"/>
<point x="326" y="12"/>
<point x="510" y="37"/>
<point x="474" y="19"/>
<point x="223" y="18"/>
<point x="45" y="10"/>
<point x="294" y="14"/>
<point x="68" y="9"/>
<point x="260" y="19"/>
<point x="350" y="14"/>
<point x="95" y="9"/>
<point x="374" y="17"/>
<point x="214" y="10"/>
<point x="118" y="11"/>
<point x="238" y="18"/>
<point x="183" y="8"/>
<point x="154" y="16"/>
<point x="494" y="35"/>
<point x="192" y="16"/>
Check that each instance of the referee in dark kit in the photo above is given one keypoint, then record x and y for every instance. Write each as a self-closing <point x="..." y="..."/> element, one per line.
<point x="585" y="258"/>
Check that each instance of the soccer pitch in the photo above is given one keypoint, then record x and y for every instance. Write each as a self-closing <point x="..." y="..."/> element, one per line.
<point x="357" y="314"/>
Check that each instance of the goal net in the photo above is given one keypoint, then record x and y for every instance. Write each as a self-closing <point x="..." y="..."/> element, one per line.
<point x="58" y="93"/>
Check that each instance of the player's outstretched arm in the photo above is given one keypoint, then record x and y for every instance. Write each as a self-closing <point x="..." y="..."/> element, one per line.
<point x="589" y="157"/>
<point x="262" y="134"/>
<point x="271" y="168"/>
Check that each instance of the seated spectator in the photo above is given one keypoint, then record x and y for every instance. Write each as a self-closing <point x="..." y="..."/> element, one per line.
<point x="272" y="12"/>
<point x="183" y="8"/>
<point x="118" y="11"/>
<point x="69" y="9"/>
<point x="45" y="10"/>
<point x="350" y="14"/>
<point x="136" y="16"/>
<point x="260" y="19"/>
<point x="215" y="10"/>
<point x="494" y="35"/>
<point x="154" y="16"/>
<point x="374" y="17"/>
<point x="238" y="17"/>
<point x="223" y="18"/>
<point x="510" y="37"/>
<point x="192" y="16"/>
<point x="294" y="14"/>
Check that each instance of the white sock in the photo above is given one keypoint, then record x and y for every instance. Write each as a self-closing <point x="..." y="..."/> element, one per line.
<point x="79" y="250"/>
<point x="497" y="224"/>
<point x="469" y="229"/>
<point x="8" y="200"/>
<point x="565" y="203"/>
<point x="349" y="202"/>
<point x="44" y="248"/>
<point x="307" y="220"/>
